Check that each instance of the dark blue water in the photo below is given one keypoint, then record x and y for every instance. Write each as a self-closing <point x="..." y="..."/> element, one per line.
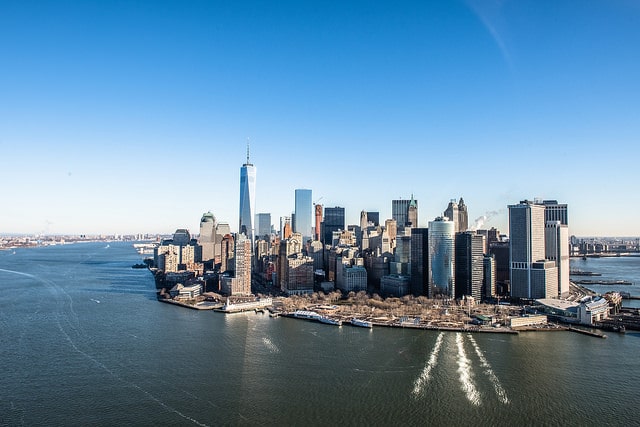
<point x="84" y="342"/>
<point x="613" y="268"/>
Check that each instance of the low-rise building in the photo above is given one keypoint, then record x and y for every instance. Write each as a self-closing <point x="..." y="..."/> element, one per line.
<point x="182" y="292"/>
<point x="531" y="320"/>
<point x="590" y="312"/>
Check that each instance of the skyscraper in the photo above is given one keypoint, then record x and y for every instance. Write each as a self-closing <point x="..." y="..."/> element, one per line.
<point x="554" y="211"/>
<point x="463" y="216"/>
<point x="247" y="198"/>
<point x="373" y="217"/>
<point x="405" y="212"/>
<point x="526" y="246"/>
<point x="364" y="220"/>
<point x="263" y="225"/>
<point x="333" y="221"/>
<point x="469" y="248"/>
<point x="442" y="256"/>
<point x="457" y="212"/>
<point x="303" y="214"/>
<point x="420" y="262"/>
<point x="207" y="237"/>
<point x="318" y="225"/>
<point x="557" y="249"/>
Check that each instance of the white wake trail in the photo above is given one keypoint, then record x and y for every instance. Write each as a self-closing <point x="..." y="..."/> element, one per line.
<point x="425" y="375"/>
<point x="466" y="376"/>
<point x="270" y="345"/>
<point x="500" y="391"/>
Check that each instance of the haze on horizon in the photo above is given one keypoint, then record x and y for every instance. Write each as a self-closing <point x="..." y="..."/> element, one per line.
<point x="133" y="117"/>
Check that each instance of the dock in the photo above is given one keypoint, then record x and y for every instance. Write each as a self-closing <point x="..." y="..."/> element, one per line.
<point x="586" y="332"/>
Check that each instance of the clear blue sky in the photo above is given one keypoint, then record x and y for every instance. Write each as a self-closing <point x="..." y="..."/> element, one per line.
<point x="133" y="116"/>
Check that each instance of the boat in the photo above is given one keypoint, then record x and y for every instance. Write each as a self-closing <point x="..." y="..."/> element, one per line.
<point x="361" y="323"/>
<point x="330" y="321"/>
<point x="583" y="273"/>
<point x="304" y="314"/>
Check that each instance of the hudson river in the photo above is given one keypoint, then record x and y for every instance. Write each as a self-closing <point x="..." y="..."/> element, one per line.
<point x="84" y="342"/>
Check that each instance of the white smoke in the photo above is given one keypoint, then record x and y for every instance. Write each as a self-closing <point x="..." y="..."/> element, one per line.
<point x="479" y="222"/>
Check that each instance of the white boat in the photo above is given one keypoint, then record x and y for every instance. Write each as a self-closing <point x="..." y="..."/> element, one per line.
<point x="304" y="314"/>
<point x="330" y="321"/>
<point x="361" y="323"/>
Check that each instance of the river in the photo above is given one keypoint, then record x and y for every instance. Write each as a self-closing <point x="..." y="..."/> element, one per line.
<point x="84" y="342"/>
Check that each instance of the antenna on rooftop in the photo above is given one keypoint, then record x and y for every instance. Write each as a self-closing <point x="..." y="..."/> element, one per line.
<point x="247" y="150"/>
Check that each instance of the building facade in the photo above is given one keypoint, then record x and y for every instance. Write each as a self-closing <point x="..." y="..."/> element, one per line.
<point x="405" y="212"/>
<point x="303" y="214"/>
<point x="557" y="249"/>
<point x="526" y="246"/>
<point x="334" y="220"/>
<point x="247" y="198"/>
<point x="469" y="265"/>
<point x="442" y="256"/>
<point x="263" y="225"/>
<point x="420" y="262"/>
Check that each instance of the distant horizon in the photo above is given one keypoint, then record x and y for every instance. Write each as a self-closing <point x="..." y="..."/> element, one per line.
<point x="197" y="234"/>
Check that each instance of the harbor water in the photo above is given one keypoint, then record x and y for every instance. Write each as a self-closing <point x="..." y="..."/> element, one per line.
<point x="84" y="342"/>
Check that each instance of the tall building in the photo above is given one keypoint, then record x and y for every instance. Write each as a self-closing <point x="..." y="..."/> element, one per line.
<point x="243" y="266"/>
<point x="181" y="237"/>
<point x="373" y="218"/>
<point x="412" y="213"/>
<point x="442" y="256"/>
<point x="238" y="280"/>
<point x="526" y="246"/>
<point x="303" y="214"/>
<point x="285" y="227"/>
<point x="364" y="220"/>
<point x="222" y="229"/>
<point x="457" y="212"/>
<point x="391" y="227"/>
<point x="463" y="216"/>
<point x="207" y="237"/>
<point x="263" y="225"/>
<point x="247" y="198"/>
<point x="554" y="211"/>
<point x="489" y="265"/>
<point x="420" y="262"/>
<point x="405" y="212"/>
<point x="401" y="264"/>
<point x="227" y="248"/>
<point x="334" y="220"/>
<point x="557" y="249"/>
<point x="318" y="224"/>
<point x="469" y="264"/>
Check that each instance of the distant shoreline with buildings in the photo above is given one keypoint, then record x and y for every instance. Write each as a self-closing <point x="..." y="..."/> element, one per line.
<point x="447" y="264"/>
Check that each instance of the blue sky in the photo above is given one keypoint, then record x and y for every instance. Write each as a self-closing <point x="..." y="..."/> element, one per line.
<point x="126" y="117"/>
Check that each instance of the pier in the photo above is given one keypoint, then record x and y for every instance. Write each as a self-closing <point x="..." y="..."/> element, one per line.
<point x="586" y="332"/>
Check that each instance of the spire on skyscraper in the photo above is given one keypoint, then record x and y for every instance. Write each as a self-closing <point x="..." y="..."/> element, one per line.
<point x="248" y="163"/>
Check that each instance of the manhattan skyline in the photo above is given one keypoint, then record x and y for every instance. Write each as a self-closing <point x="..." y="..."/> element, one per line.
<point x="134" y="118"/>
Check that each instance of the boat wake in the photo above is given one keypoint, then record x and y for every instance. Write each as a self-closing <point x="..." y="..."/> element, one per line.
<point x="500" y="392"/>
<point x="425" y="375"/>
<point x="466" y="374"/>
<point x="270" y="345"/>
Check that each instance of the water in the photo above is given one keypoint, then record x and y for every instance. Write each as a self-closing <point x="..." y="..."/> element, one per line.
<point x="613" y="268"/>
<point x="84" y="341"/>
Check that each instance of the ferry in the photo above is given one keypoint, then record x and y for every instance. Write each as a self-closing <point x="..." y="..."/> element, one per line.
<point x="361" y="323"/>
